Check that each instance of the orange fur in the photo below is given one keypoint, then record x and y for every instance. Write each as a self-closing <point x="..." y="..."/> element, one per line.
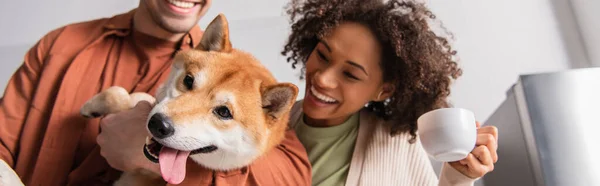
<point x="236" y="72"/>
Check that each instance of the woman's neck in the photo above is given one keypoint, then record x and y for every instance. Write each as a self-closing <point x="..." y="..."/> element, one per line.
<point x="329" y="122"/>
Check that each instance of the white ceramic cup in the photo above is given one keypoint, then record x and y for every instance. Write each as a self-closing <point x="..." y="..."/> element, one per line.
<point x="447" y="134"/>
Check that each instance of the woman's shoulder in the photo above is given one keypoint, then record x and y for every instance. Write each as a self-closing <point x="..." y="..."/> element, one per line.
<point x="295" y="113"/>
<point x="380" y="128"/>
<point x="391" y="155"/>
<point x="380" y="135"/>
<point x="297" y="107"/>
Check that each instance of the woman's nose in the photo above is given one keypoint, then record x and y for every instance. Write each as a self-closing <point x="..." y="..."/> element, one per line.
<point x="325" y="79"/>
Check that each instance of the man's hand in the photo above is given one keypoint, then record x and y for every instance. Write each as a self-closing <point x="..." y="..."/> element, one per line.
<point x="122" y="138"/>
<point x="482" y="159"/>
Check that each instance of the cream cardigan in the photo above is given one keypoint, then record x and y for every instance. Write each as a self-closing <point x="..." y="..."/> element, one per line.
<point x="380" y="159"/>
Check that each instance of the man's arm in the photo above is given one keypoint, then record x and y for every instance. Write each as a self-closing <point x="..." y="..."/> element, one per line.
<point x="288" y="164"/>
<point x="15" y="103"/>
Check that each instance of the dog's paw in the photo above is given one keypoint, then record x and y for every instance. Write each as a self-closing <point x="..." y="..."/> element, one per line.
<point x="111" y="100"/>
<point x="136" y="97"/>
<point x="8" y="177"/>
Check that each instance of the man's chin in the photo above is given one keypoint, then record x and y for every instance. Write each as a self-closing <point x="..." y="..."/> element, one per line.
<point x="177" y="26"/>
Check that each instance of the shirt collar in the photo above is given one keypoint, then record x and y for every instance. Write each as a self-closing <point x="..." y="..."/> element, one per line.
<point x="123" y="24"/>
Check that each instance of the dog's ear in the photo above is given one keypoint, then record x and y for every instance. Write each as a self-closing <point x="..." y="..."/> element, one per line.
<point x="216" y="36"/>
<point x="278" y="99"/>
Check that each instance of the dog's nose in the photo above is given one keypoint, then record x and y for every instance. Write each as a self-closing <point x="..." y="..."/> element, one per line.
<point x="161" y="126"/>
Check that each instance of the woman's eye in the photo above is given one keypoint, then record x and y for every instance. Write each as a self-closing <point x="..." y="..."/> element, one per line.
<point x="348" y="74"/>
<point x="321" y="56"/>
<point x="223" y="113"/>
<point x="188" y="81"/>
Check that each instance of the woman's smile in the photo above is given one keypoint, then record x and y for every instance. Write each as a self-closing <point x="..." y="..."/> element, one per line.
<point x="318" y="99"/>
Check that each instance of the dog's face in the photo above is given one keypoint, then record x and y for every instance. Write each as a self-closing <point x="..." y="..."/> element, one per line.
<point x="220" y="107"/>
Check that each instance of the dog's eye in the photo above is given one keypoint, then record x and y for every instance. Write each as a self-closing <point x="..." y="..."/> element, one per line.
<point x="223" y="112"/>
<point x="188" y="81"/>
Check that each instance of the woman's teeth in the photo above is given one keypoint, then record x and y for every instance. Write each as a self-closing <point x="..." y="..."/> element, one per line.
<point x="320" y="96"/>
<point x="181" y="4"/>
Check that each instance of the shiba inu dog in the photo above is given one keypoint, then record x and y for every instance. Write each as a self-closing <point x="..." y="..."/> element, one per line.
<point x="219" y="107"/>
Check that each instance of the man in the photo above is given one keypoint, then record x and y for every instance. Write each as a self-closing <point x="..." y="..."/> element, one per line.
<point x="45" y="140"/>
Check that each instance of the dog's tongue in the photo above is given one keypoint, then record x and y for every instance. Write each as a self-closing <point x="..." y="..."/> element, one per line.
<point x="172" y="164"/>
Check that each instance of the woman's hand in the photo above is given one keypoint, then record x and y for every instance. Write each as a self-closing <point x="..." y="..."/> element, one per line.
<point x="122" y="138"/>
<point x="481" y="160"/>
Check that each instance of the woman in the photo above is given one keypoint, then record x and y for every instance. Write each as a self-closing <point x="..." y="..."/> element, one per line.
<point x="372" y="69"/>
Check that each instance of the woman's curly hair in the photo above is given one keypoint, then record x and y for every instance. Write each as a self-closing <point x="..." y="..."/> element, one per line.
<point x="418" y="62"/>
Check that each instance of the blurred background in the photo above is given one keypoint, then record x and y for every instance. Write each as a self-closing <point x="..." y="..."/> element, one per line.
<point x="497" y="41"/>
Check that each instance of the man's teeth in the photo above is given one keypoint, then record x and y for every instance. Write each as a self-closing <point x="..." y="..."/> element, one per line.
<point x="181" y="4"/>
<point x="321" y="96"/>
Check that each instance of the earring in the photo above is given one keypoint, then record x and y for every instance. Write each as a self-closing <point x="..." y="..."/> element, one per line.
<point x="379" y="96"/>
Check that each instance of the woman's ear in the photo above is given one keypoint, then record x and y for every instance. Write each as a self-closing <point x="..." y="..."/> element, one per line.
<point x="385" y="92"/>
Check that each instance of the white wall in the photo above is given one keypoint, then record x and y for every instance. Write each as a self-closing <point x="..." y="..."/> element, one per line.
<point x="496" y="40"/>
<point x="587" y="14"/>
<point x="30" y="20"/>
